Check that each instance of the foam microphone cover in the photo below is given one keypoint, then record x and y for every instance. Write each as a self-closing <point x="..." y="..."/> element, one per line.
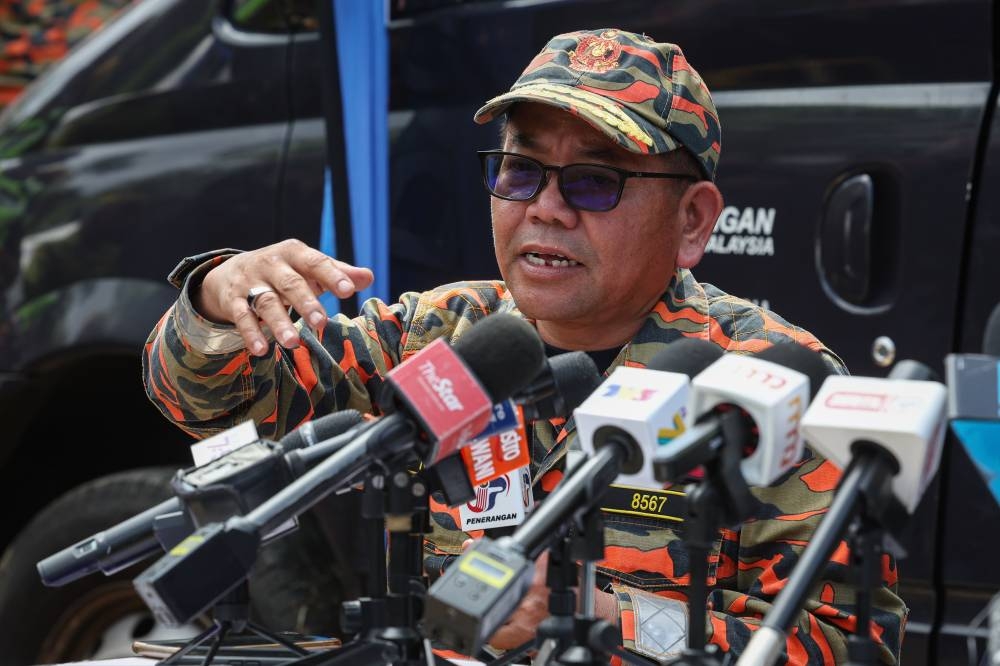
<point x="801" y="359"/>
<point x="488" y="348"/>
<point x="321" y="429"/>
<point x="914" y="370"/>
<point x="687" y="356"/>
<point x="574" y="377"/>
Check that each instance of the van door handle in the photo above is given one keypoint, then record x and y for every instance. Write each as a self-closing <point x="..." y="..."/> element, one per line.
<point x="844" y="241"/>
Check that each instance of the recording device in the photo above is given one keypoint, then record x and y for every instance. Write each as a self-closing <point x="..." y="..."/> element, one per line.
<point x="771" y="389"/>
<point x="974" y="410"/>
<point x="501" y="444"/>
<point x="903" y="414"/>
<point x="136" y="538"/>
<point x="241" y="479"/>
<point x="887" y="435"/>
<point x="494" y="454"/>
<point x="486" y="583"/>
<point x="651" y="407"/>
<point x="439" y="389"/>
<point x="491" y="361"/>
<point x="746" y="432"/>
<point x="974" y="403"/>
<point x="564" y="382"/>
<point x="504" y="446"/>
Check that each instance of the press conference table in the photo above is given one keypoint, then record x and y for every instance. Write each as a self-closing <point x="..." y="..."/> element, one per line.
<point x="123" y="661"/>
<point x="146" y="661"/>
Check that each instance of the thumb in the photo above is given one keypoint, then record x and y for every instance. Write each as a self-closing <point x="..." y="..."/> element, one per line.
<point x="467" y="544"/>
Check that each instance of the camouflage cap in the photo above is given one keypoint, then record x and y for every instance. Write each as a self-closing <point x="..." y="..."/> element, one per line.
<point x="643" y="94"/>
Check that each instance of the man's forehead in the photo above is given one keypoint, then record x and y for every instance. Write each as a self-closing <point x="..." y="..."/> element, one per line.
<point x="535" y="125"/>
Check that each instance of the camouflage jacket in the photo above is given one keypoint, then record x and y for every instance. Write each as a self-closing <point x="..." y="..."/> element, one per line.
<point x="201" y="377"/>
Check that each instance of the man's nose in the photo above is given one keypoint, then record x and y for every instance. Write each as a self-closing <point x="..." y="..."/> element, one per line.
<point x="550" y="207"/>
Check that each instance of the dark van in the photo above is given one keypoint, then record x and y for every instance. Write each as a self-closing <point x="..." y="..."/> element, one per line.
<point x="860" y="162"/>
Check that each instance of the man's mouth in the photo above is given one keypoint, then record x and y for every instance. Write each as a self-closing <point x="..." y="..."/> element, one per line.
<point x="556" y="260"/>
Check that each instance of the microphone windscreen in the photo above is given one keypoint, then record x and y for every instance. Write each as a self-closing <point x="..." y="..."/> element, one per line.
<point x="504" y="352"/>
<point x="991" y="337"/>
<point x="907" y="369"/>
<point x="688" y="356"/>
<point x="801" y="359"/>
<point x="575" y="376"/>
<point x="320" y="429"/>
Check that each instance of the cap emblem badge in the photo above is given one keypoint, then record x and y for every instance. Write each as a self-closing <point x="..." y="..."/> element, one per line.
<point x="595" y="54"/>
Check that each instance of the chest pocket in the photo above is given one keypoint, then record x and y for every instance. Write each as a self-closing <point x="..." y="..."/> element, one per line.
<point x="649" y="553"/>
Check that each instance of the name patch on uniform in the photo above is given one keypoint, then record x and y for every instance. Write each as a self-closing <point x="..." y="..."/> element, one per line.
<point x="659" y="504"/>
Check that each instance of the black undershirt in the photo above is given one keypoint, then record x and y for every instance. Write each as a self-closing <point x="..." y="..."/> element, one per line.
<point x="602" y="357"/>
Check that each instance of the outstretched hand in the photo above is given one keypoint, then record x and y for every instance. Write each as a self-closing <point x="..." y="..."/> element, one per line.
<point x="289" y="274"/>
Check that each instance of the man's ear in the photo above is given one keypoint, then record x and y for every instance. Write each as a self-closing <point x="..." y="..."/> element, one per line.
<point x="697" y="211"/>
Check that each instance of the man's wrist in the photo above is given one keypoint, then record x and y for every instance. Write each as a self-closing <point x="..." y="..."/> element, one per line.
<point x="195" y="293"/>
<point x="199" y="332"/>
<point x="188" y="265"/>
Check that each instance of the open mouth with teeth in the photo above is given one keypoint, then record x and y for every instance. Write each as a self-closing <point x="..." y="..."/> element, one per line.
<point x="556" y="260"/>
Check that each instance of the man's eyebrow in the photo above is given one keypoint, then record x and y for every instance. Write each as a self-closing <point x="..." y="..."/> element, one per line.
<point x="597" y="152"/>
<point x="522" y="139"/>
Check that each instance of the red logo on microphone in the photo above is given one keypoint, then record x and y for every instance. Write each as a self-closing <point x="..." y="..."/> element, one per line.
<point x="445" y="395"/>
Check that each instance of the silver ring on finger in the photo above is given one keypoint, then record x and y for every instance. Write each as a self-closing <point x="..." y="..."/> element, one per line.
<point x="254" y="293"/>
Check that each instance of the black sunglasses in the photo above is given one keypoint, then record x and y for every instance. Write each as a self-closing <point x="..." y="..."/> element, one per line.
<point x="592" y="187"/>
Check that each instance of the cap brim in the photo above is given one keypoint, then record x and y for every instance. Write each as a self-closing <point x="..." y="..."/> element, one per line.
<point x="605" y="115"/>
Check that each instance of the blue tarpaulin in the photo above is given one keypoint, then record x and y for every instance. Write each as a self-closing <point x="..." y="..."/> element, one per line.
<point x="362" y="50"/>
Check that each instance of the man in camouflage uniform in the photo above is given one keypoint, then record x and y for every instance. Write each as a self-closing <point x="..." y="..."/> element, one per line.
<point x="596" y="259"/>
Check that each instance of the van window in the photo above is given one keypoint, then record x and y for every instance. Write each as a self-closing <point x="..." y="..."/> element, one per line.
<point x="273" y="16"/>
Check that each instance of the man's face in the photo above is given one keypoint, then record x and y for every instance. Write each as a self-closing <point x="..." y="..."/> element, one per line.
<point x="624" y="258"/>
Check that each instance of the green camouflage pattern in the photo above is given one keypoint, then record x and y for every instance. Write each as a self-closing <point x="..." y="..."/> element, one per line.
<point x="205" y="393"/>
<point x="643" y="94"/>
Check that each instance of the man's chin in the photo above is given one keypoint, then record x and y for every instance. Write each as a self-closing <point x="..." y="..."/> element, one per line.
<point x="549" y="307"/>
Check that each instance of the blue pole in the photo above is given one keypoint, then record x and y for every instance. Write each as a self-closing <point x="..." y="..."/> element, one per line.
<point x="362" y="50"/>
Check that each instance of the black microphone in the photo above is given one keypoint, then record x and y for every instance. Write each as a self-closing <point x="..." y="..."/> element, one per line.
<point x="134" y="539"/>
<point x="564" y="382"/>
<point x="437" y="396"/>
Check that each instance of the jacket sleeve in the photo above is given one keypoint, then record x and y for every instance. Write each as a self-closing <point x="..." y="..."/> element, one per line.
<point x="200" y="376"/>
<point x="753" y="565"/>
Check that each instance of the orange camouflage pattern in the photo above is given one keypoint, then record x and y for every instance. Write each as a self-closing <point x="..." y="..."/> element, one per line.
<point x="643" y="94"/>
<point x="205" y="393"/>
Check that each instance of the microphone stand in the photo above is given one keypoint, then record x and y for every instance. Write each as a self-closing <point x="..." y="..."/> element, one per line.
<point x="865" y="538"/>
<point x="861" y="505"/>
<point x="230" y="616"/>
<point x="566" y="638"/>
<point x="722" y="498"/>
<point x="384" y="622"/>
